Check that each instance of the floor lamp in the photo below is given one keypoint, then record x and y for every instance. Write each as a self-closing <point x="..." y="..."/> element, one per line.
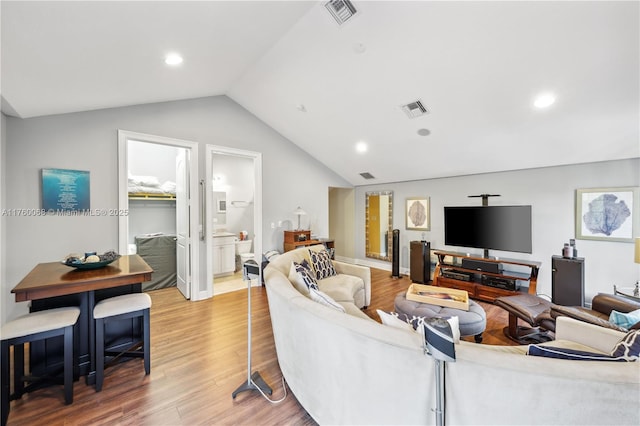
<point x="254" y="381"/>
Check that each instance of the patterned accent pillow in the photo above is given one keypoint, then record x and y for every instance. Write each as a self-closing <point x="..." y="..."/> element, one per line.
<point x="322" y="264"/>
<point x="571" y="354"/>
<point x="325" y="299"/>
<point x="305" y="273"/>
<point x="629" y="347"/>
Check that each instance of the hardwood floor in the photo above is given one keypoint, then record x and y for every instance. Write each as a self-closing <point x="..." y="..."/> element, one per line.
<point x="198" y="358"/>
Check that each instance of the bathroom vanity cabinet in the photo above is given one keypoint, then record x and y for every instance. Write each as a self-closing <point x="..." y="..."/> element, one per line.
<point x="224" y="255"/>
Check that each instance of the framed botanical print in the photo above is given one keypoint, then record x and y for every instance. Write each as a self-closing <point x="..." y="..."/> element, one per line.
<point x="417" y="214"/>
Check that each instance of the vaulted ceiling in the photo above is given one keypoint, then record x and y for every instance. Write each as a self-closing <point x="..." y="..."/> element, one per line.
<point x="475" y="66"/>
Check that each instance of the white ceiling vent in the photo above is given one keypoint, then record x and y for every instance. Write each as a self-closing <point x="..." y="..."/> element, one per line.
<point x="341" y="10"/>
<point x="414" y="109"/>
<point x="367" y="175"/>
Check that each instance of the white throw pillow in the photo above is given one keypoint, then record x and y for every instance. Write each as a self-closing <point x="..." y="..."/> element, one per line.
<point x="297" y="281"/>
<point x="302" y="277"/>
<point x="325" y="299"/>
<point x="454" y="322"/>
<point x="392" y="320"/>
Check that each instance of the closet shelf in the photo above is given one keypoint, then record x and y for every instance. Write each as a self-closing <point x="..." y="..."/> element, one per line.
<point x="151" y="196"/>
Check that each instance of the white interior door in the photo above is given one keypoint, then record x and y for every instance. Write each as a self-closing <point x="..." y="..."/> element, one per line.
<point x="183" y="244"/>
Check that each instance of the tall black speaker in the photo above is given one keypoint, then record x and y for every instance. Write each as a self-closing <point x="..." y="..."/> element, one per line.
<point x="395" y="254"/>
<point x="420" y="261"/>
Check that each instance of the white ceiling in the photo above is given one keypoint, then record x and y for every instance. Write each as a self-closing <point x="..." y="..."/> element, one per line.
<point x="476" y="66"/>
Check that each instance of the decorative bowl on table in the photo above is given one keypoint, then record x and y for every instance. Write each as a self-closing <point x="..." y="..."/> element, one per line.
<point x="90" y="260"/>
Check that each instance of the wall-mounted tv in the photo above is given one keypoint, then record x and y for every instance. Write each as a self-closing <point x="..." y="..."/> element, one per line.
<point x="505" y="228"/>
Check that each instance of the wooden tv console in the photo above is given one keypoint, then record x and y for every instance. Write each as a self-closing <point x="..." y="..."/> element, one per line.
<point x="525" y="272"/>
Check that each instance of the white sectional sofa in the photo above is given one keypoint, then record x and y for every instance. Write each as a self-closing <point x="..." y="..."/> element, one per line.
<point x="346" y="368"/>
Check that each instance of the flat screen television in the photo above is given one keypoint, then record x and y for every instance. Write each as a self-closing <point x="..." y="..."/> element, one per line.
<point x="505" y="228"/>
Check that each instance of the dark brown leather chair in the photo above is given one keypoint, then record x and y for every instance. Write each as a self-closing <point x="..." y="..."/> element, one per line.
<point x="541" y="314"/>
<point x="601" y="307"/>
<point x="532" y="309"/>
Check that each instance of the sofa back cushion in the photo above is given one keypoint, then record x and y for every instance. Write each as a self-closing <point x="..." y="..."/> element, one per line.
<point x="283" y="262"/>
<point x="325" y="299"/>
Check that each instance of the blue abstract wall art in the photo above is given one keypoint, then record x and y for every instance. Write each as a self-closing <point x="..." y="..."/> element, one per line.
<point x="606" y="214"/>
<point x="65" y="190"/>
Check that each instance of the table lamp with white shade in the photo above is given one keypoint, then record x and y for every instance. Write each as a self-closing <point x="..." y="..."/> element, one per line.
<point x="299" y="212"/>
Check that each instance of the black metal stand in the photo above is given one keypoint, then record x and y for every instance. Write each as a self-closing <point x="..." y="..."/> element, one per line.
<point x="254" y="381"/>
<point x="485" y="203"/>
<point x="439" y="344"/>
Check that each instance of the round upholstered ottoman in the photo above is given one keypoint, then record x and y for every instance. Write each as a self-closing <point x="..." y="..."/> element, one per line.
<point x="472" y="322"/>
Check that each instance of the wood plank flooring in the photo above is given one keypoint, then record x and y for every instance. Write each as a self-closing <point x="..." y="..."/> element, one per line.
<point x="198" y="358"/>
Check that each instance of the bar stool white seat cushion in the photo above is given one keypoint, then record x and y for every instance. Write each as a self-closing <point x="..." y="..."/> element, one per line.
<point x="40" y="321"/>
<point x="121" y="305"/>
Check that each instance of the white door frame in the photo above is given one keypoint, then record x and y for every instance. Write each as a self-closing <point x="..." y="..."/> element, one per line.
<point x="123" y="200"/>
<point x="257" y="204"/>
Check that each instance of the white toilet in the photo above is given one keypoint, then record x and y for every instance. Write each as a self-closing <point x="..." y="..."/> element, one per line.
<point x="243" y="249"/>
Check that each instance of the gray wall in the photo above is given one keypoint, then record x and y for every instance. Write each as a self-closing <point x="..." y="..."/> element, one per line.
<point x="88" y="141"/>
<point x="550" y="192"/>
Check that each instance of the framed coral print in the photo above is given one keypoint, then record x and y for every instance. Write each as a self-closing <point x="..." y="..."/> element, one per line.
<point x="607" y="214"/>
<point x="417" y="214"/>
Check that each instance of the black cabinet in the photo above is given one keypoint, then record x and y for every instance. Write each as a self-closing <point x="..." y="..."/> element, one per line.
<point x="420" y="257"/>
<point x="567" y="281"/>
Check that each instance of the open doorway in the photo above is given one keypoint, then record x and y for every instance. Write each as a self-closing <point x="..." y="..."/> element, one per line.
<point x="234" y="215"/>
<point x="158" y="187"/>
<point x="342" y="222"/>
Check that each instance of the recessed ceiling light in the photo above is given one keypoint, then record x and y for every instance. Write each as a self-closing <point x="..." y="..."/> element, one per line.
<point x="544" y="100"/>
<point x="173" y="59"/>
<point x="361" y="147"/>
<point x="424" y="132"/>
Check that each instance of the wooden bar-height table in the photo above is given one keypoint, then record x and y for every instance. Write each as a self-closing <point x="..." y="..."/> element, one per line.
<point x="54" y="285"/>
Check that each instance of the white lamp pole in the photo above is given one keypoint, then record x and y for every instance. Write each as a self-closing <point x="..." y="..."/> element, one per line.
<point x="255" y="380"/>
<point x="299" y="212"/>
